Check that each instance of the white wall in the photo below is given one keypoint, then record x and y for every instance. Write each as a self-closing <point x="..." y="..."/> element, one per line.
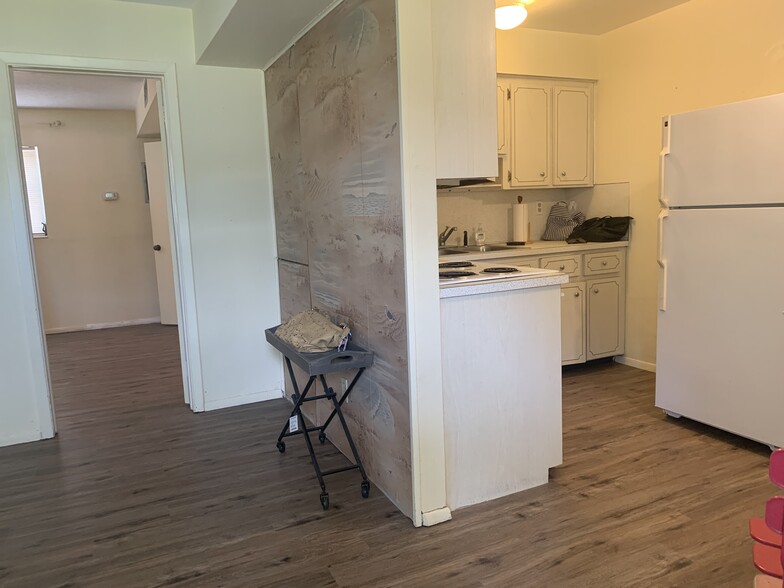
<point x="531" y="52"/>
<point x="96" y="266"/>
<point x="226" y="161"/>
<point x="699" y="54"/>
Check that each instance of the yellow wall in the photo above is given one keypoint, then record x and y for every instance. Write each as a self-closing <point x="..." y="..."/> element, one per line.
<point x="531" y="52"/>
<point x="698" y="54"/>
<point x="96" y="265"/>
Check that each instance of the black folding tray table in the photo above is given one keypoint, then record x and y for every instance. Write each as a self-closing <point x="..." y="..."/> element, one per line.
<point x="316" y="366"/>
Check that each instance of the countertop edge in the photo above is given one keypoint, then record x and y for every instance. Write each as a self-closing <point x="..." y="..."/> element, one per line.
<point x="475" y="288"/>
<point x="534" y="250"/>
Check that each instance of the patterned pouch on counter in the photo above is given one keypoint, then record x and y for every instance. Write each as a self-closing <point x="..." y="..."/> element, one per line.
<point x="561" y="221"/>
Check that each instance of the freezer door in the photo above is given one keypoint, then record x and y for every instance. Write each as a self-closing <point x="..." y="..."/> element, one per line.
<point x="731" y="154"/>
<point x="720" y="342"/>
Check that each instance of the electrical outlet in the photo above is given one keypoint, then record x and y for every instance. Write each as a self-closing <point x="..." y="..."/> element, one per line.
<point x="539" y="208"/>
<point x="343" y="384"/>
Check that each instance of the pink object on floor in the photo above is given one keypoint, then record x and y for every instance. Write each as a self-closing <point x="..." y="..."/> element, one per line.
<point x="774" y="514"/>
<point x="776" y="468"/>
<point x="761" y="533"/>
<point x="767" y="559"/>
<point x="763" y="581"/>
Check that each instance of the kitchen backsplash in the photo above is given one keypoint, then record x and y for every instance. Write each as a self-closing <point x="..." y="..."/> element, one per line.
<point x="493" y="209"/>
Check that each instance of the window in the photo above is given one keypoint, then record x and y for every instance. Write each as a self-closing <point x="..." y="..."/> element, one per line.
<point x="35" y="191"/>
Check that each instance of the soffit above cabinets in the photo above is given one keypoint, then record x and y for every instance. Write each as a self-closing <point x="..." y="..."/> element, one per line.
<point x="591" y="17"/>
<point x="248" y="33"/>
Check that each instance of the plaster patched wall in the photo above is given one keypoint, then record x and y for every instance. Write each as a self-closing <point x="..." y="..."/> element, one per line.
<point x="335" y="149"/>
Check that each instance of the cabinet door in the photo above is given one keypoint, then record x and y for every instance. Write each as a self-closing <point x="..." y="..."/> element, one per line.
<point x="573" y="323"/>
<point x="464" y="71"/>
<point x="606" y="328"/>
<point x="503" y="96"/>
<point x="530" y="131"/>
<point x="573" y="129"/>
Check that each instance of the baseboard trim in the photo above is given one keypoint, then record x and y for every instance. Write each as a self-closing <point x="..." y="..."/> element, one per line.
<point x="218" y="403"/>
<point x="636" y="363"/>
<point x="19" y="438"/>
<point x="98" y="326"/>
<point x="434" y="517"/>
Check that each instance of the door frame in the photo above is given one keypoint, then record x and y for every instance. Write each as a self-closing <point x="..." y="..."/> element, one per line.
<point x="171" y="137"/>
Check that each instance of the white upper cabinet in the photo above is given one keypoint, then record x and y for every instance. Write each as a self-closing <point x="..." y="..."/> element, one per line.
<point x="573" y="132"/>
<point x="550" y="132"/>
<point x="531" y="133"/>
<point x="503" y="93"/>
<point x="465" y="83"/>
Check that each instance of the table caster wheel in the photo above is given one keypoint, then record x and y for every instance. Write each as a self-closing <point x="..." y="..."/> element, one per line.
<point x="322" y="437"/>
<point x="281" y="446"/>
<point x="365" y="489"/>
<point x="324" y="500"/>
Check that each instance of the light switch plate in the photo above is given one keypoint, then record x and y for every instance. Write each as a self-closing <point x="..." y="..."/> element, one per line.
<point x="111" y="195"/>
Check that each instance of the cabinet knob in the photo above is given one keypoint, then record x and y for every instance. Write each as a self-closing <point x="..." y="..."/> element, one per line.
<point x="576" y="294"/>
<point x="563" y="174"/>
<point x="596" y="290"/>
<point x="562" y="268"/>
<point x="156" y="247"/>
<point x="604" y="263"/>
<point x="542" y="174"/>
<point x="509" y="175"/>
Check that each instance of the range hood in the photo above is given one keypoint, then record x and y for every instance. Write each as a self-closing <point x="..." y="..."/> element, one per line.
<point x="487" y="183"/>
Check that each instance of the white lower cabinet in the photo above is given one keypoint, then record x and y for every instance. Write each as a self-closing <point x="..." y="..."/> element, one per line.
<point x="605" y="317"/>
<point x="593" y="303"/>
<point x="592" y="311"/>
<point x="573" y="323"/>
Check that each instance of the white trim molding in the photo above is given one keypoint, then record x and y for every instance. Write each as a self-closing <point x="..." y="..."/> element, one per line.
<point x="99" y="326"/>
<point x="171" y="136"/>
<point x="434" y="517"/>
<point x="636" y="363"/>
<point x="243" y="399"/>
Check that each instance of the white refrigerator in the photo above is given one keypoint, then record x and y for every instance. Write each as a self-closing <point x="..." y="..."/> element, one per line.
<point x="720" y="341"/>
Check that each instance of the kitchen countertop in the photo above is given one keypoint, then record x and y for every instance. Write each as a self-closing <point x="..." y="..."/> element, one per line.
<point x="532" y="278"/>
<point x="532" y="249"/>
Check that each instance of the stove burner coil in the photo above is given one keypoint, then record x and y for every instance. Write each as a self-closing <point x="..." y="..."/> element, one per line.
<point x="447" y="275"/>
<point x="451" y="264"/>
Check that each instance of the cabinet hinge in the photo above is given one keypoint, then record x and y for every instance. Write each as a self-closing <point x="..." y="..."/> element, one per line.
<point x="509" y="176"/>
<point x="508" y="93"/>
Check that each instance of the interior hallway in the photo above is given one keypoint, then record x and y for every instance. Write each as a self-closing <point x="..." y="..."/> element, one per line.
<point x="138" y="491"/>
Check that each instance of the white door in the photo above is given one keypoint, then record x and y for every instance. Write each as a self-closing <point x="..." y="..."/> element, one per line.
<point x="729" y="154"/>
<point x="164" y="267"/>
<point x="720" y="338"/>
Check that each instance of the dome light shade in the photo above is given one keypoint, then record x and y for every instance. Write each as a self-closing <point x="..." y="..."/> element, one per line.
<point x="510" y="16"/>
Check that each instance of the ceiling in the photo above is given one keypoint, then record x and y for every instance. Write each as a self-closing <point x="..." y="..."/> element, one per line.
<point x="92" y="92"/>
<point x="180" y="3"/>
<point x="591" y="17"/>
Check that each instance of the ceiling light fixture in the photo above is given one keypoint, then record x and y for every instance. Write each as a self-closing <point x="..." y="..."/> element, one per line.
<point x="509" y="14"/>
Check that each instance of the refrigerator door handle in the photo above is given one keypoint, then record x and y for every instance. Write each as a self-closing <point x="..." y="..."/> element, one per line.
<point x="663" y="214"/>
<point x="665" y="151"/>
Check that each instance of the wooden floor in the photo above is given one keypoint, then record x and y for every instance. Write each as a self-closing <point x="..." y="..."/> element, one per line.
<point x="138" y="491"/>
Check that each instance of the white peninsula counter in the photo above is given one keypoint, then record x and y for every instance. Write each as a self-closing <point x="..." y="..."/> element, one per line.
<point x="501" y="363"/>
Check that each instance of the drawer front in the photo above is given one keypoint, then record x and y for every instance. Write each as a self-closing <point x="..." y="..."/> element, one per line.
<point x="516" y="261"/>
<point x="567" y="264"/>
<point x="605" y="262"/>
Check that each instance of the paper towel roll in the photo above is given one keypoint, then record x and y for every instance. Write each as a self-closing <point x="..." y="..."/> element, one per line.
<point x="520" y="222"/>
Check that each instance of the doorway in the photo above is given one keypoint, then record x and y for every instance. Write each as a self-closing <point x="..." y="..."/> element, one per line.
<point x="91" y="189"/>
